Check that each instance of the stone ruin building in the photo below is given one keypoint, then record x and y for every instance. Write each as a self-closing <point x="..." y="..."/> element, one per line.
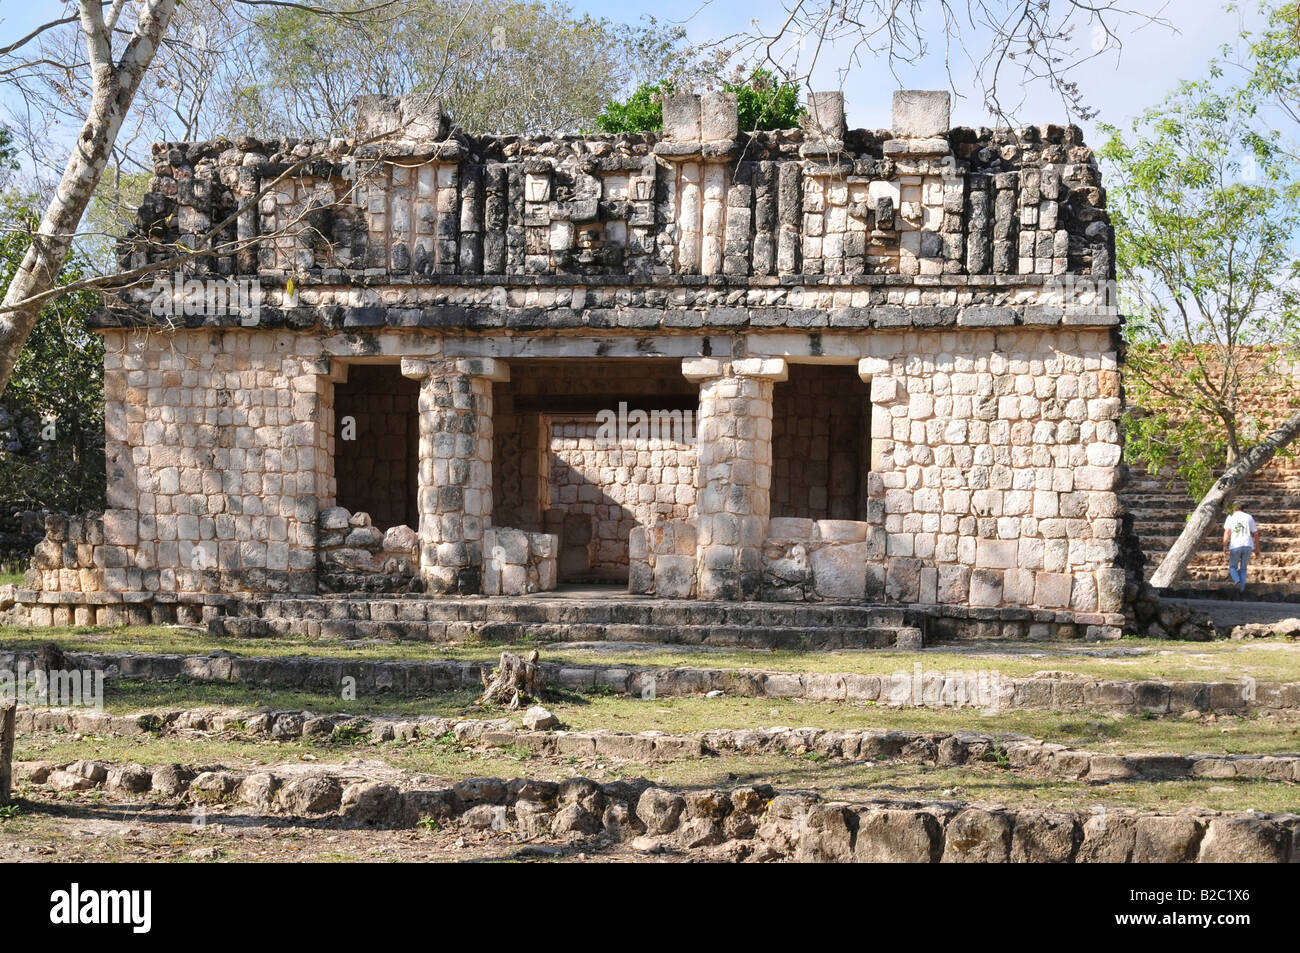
<point x="849" y="367"/>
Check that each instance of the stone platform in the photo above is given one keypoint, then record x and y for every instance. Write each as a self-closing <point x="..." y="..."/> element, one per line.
<point x="585" y="619"/>
<point x="596" y="614"/>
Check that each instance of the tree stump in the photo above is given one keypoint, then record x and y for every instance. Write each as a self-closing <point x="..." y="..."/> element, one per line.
<point x="6" y="751"/>
<point x="514" y="679"/>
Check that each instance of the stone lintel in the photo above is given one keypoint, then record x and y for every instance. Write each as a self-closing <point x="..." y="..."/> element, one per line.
<point x="699" y="369"/>
<point x="488" y="367"/>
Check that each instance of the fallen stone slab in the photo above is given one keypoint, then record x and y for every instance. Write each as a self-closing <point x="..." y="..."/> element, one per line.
<point x="1282" y="628"/>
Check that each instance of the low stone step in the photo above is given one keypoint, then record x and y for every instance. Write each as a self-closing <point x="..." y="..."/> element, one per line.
<point x="972" y="688"/>
<point x="541" y="610"/>
<point x="732" y="636"/>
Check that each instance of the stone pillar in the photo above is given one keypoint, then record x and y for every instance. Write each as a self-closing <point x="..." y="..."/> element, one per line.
<point x="734" y="472"/>
<point x="455" y="473"/>
<point x="6" y="751"/>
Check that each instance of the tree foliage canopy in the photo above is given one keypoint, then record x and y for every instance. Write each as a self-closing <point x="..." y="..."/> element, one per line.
<point x="519" y="66"/>
<point x="52" y="413"/>
<point x="762" y="102"/>
<point x="1206" y="208"/>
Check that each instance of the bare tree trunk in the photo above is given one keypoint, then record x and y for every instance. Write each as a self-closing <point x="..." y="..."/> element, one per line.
<point x="516" y="678"/>
<point x="6" y="752"/>
<point x="1210" y="508"/>
<point x="113" y="90"/>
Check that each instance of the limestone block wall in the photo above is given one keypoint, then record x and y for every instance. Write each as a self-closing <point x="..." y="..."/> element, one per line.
<point x="821" y="431"/>
<point x="516" y="562"/>
<point x="218" y="446"/>
<point x="996" y="459"/>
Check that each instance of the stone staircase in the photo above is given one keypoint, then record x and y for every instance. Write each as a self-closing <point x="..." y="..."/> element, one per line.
<point x="750" y="625"/>
<point x="1159" y="513"/>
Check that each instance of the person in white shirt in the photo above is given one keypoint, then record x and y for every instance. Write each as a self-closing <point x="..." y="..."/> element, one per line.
<point x="1240" y="540"/>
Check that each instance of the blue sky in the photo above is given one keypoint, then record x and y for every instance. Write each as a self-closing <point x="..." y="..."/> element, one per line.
<point x="1120" y="84"/>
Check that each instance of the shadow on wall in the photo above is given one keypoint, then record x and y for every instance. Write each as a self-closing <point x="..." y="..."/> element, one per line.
<point x="821" y="454"/>
<point x="599" y="489"/>
<point x="376" y="444"/>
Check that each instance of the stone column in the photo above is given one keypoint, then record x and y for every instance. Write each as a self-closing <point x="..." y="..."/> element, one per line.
<point x="734" y="472"/>
<point x="455" y="473"/>
<point x="6" y="751"/>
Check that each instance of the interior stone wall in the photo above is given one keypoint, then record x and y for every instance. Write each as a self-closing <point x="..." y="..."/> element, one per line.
<point x="518" y="464"/>
<point x="376" y="471"/>
<point x="546" y="463"/>
<point x="620" y="485"/>
<point x="820" y="443"/>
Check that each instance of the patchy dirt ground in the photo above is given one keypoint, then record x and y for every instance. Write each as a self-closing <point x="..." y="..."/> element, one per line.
<point x="51" y="830"/>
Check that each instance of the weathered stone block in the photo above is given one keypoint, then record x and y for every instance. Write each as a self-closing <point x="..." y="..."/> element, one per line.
<point x="919" y="114"/>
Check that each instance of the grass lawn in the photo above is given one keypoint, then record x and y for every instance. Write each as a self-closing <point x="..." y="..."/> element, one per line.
<point x="1129" y="658"/>
<point x="1094" y="731"/>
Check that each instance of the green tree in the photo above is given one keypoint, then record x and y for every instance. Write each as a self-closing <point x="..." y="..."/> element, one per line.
<point x="643" y="111"/>
<point x="52" y="412"/>
<point x="110" y="216"/>
<point x="8" y="155"/>
<point x="1205" y="207"/>
<point x="520" y="66"/>
<point x="765" y="102"/>
<point x="762" y="102"/>
<point x="1273" y="69"/>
